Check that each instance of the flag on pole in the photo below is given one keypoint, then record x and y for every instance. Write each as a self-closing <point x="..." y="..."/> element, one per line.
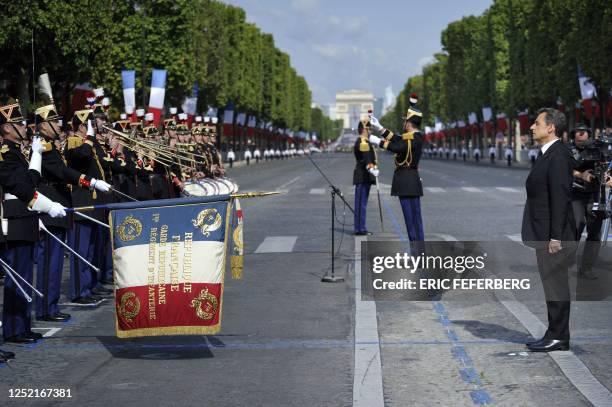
<point x="158" y="93"/>
<point x="169" y="263"/>
<point x="129" y="89"/>
<point x="587" y="89"/>
<point x="501" y="122"/>
<point x="472" y="119"/>
<point x="190" y="104"/>
<point x="487" y="113"/>
<point x="252" y="123"/>
<point x="228" y="119"/>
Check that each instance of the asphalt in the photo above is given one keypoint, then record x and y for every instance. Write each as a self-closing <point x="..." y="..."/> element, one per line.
<point x="287" y="339"/>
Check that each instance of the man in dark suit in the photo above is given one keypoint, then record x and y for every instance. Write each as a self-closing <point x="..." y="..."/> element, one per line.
<point x="548" y="225"/>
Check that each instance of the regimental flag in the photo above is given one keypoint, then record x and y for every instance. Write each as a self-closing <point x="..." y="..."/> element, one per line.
<point x="169" y="264"/>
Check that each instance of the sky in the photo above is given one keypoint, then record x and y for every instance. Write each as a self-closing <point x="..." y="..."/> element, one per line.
<point x="356" y="44"/>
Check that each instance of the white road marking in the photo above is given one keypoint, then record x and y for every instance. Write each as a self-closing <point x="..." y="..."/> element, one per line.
<point x="572" y="367"/>
<point x="508" y="189"/>
<point x="442" y="236"/>
<point x="317" y="191"/>
<point x="277" y="244"/>
<point x="367" y="378"/>
<point x="50" y="331"/>
<point x="434" y="189"/>
<point x="471" y="189"/>
<point x="286" y="184"/>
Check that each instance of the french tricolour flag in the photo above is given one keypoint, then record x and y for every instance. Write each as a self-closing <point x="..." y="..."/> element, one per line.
<point x="158" y="92"/>
<point x="129" y="89"/>
<point x="190" y="104"/>
<point x="169" y="264"/>
<point x="252" y="123"/>
<point x="228" y="119"/>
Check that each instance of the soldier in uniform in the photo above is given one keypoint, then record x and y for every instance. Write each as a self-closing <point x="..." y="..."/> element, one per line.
<point x="257" y="155"/>
<point x="19" y="179"/>
<point x="364" y="175"/>
<point x="406" y="180"/>
<point x="81" y="155"/>
<point x="54" y="184"/>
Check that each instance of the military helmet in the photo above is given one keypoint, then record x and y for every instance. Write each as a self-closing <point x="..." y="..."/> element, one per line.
<point x="10" y="112"/>
<point x="81" y="117"/>
<point x="46" y="114"/>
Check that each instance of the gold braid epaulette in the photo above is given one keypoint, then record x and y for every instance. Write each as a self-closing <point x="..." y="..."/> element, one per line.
<point x="408" y="137"/>
<point x="74" y="142"/>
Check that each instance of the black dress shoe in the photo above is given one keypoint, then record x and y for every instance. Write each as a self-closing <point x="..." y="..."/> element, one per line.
<point x="6" y="355"/>
<point x="54" y="318"/>
<point x="101" y="291"/>
<point x="20" y="339"/>
<point x="84" y="301"/>
<point x="34" y="335"/>
<point x="549" y="345"/>
<point x="64" y="315"/>
<point x="363" y="233"/>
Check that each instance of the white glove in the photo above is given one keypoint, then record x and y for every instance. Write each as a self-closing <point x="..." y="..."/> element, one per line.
<point x="100" y="185"/>
<point x="375" y="124"/>
<point x="37" y="145"/>
<point x="375" y="140"/>
<point x="44" y="204"/>
<point x="36" y="157"/>
<point x="374" y="171"/>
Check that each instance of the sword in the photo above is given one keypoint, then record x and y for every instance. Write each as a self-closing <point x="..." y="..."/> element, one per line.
<point x="91" y="219"/>
<point x="57" y="239"/>
<point x="382" y="225"/>
<point x="12" y="273"/>
<point x="124" y="195"/>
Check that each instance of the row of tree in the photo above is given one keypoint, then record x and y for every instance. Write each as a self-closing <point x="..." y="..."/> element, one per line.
<point x="203" y="41"/>
<point x="517" y="55"/>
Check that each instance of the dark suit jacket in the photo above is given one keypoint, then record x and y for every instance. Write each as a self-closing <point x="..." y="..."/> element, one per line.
<point x="548" y="211"/>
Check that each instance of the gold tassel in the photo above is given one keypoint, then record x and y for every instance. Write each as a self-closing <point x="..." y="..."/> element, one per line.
<point x="237" y="262"/>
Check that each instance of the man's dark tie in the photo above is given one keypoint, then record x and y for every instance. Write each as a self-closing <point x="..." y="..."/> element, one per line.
<point x="539" y="154"/>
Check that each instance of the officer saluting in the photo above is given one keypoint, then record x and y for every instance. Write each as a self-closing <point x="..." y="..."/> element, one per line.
<point x="19" y="179"/>
<point x="406" y="180"/>
<point x="364" y="176"/>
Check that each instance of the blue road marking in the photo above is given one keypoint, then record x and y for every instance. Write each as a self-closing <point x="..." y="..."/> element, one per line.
<point x="480" y="396"/>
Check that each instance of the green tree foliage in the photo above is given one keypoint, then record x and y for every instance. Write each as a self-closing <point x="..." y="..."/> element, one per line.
<point x="202" y="41"/>
<point x="518" y="54"/>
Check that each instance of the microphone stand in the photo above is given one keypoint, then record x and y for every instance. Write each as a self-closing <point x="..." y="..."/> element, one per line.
<point x="334" y="190"/>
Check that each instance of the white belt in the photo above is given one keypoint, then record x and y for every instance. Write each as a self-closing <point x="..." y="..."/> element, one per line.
<point x="9" y="197"/>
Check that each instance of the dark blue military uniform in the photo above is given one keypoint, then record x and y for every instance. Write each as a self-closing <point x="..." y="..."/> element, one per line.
<point x="82" y="157"/>
<point x="50" y="254"/>
<point x="363" y="180"/>
<point x="407" y="184"/>
<point x="18" y="188"/>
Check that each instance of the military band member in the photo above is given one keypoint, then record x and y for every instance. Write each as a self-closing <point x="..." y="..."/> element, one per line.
<point x="406" y="184"/>
<point x="364" y="175"/>
<point x="492" y="153"/>
<point x="257" y="155"/>
<point x="21" y="203"/>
